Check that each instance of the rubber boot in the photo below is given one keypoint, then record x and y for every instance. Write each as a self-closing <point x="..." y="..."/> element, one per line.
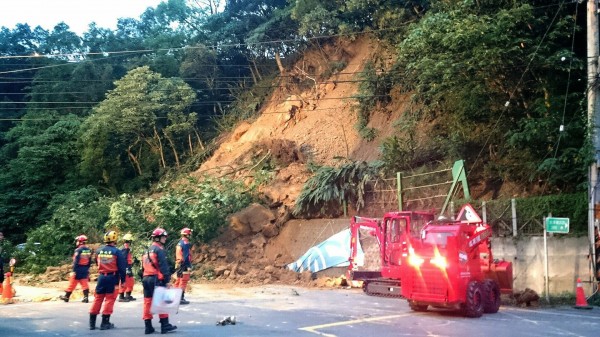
<point x="122" y="298"/>
<point x="106" y="324"/>
<point x="165" y="326"/>
<point x="66" y="296"/>
<point x="183" y="300"/>
<point x="93" y="322"/>
<point x="86" y="293"/>
<point x="128" y="296"/>
<point x="149" y="328"/>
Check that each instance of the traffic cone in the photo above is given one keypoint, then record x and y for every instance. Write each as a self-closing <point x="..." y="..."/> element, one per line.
<point x="580" y="301"/>
<point x="7" y="292"/>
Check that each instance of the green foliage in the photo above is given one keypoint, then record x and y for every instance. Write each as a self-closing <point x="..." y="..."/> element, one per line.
<point x="82" y="211"/>
<point x="572" y="206"/>
<point x="276" y="27"/>
<point x="333" y="68"/>
<point x="247" y="104"/>
<point x="372" y="90"/>
<point x="126" y="215"/>
<point x="202" y="206"/>
<point x="464" y="62"/>
<point x="141" y="128"/>
<point x="43" y="164"/>
<point x="330" y="187"/>
<point x="405" y="151"/>
<point x="209" y="273"/>
<point x="316" y="18"/>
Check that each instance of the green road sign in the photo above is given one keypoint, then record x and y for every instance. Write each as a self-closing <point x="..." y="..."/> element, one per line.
<point x="557" y="225"/>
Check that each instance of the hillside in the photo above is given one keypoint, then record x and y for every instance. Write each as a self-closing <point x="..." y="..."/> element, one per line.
<point x="295" y="127"/>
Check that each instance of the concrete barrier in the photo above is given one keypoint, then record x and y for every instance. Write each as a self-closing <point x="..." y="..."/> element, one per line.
<point x="567" y="261"/>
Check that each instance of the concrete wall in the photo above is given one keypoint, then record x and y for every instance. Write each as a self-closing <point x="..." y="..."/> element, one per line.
<point x="567" y="260"/>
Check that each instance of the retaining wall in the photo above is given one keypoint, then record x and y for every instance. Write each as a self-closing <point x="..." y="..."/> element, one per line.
<point x="567" y="260"/>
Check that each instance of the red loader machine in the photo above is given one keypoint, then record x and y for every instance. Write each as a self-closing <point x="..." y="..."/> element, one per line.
<point x="451" y="266"/>
<point x="393" y="234"/>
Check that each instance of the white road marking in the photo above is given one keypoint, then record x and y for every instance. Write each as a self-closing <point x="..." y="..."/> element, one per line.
<point x="314" y="328"/>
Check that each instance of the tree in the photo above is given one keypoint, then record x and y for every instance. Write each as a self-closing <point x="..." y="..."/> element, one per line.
<point x="491" y="74"/>
<point x="44" y="165"/>
<point x="126" y="135"/>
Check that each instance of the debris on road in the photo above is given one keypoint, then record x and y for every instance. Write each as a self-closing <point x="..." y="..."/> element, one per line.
<point x="227" y="320"/>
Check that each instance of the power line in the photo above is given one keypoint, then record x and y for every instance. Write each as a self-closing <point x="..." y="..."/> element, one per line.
<point x="193" y="104"/>
<point x="156" y="117"/>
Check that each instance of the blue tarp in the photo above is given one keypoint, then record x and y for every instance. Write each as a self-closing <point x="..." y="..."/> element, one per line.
<point x="333" y="252"/>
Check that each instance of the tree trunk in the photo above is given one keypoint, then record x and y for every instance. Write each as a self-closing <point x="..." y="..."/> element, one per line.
<point x="160" y="149"/>
<point x="279" y="64"/>
<point x="256" y="69"/>
<point x="199" y="140"/>
<point x="253" y="75"/>
<point x="134" y="161"/>
<point x="174" y="149"/>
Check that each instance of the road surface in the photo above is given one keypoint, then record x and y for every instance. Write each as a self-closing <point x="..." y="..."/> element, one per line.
<point x="289" y="311"/>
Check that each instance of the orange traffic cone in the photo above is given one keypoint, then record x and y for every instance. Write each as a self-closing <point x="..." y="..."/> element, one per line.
<point x="7" y="293"/>
<point x="580" y="301"/>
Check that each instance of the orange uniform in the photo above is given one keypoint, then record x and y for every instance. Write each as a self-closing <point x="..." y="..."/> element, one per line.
<point x="127" y="287"/>
<point x="82" y="260"/>
<point x="183" y="263"/>
<point x="156" y="273"/>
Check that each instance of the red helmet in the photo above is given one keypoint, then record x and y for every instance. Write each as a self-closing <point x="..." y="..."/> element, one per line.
<point x="186" y="231"/>
<point x="81" y="238"/>
<point x="159" y="232"/>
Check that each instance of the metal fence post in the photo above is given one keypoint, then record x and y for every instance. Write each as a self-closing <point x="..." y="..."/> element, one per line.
<point x="399" y="189"/>
<point x="483" y="212"/>
<point x="513" y="205"/>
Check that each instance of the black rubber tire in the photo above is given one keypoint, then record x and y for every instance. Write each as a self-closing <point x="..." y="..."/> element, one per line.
<point x="415" y="306"/>
<point x="491" y="296"/>
<point x="474" y="301"/>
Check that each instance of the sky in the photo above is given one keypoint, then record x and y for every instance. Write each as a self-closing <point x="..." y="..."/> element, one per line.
<point x="78" y="14"/>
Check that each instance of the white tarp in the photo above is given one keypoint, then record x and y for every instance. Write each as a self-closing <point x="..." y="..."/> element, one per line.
<point x="333" y="252"/>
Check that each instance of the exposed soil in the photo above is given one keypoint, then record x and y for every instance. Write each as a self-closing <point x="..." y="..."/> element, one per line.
<point x="315" y="124"/>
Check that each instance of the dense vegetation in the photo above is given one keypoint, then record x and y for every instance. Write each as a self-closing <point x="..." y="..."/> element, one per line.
<point x="92" y="125"/>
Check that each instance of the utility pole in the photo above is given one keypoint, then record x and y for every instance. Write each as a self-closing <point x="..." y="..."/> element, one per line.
<point x="593" y="110"/>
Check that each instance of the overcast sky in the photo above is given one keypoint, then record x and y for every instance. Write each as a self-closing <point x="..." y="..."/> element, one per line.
<point x="78" y="14"/>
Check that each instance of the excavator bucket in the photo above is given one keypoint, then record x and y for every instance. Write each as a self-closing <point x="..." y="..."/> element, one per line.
<point x="501" y="272"/>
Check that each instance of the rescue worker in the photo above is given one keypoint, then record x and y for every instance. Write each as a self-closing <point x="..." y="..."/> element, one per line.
<point x="156" y="273"/>
<point x="127" y="287"/>
<point x="183" y="262"/>
<point x="111" y="270"/>
<point x="82" y="260"/>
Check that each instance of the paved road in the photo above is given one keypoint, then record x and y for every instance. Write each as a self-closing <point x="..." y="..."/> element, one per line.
<point x="290" y="311"/>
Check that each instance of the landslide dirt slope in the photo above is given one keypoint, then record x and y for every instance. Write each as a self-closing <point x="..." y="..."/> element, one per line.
<point x="294" y="127"/>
